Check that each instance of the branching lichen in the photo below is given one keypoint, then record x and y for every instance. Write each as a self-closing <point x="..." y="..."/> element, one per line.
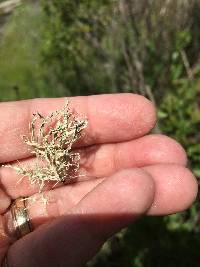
<point x="51" y="140"/>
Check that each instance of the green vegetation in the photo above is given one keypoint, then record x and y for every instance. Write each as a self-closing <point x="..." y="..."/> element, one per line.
<point x="22" y="73"/>
<point x="65" y="47"/>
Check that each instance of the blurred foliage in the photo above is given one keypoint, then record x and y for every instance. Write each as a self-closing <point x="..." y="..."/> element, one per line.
<point x="180" y="116"/>
<point x="59" y="48"/>
<point x="22" y="74"/>
<point x="72" y="26"/>
<point x="134" y="44"/>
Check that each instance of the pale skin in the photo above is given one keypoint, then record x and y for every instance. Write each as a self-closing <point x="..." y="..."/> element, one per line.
<point x="128" y="173"/>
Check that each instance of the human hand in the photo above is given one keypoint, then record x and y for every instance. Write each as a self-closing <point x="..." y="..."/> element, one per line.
<point x="127" y="174"/>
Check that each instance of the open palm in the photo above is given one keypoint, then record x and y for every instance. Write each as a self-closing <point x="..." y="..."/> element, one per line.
<point x="126" y="174"/>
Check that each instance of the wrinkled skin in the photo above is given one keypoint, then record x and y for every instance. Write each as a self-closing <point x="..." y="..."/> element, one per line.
<point x="128" y="173"/>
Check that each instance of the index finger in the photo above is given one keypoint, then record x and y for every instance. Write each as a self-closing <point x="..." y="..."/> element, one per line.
<point x="112" y="118"/>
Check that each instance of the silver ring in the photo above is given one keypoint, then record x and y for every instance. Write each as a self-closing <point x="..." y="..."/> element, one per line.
<point x="20" y="217"/>
<point x="21" y="221"/>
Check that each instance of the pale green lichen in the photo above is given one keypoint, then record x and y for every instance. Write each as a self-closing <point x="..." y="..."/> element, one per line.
<point x="51" y="140"/>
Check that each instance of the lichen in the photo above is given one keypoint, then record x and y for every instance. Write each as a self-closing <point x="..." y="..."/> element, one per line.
<point x="51" y="141"/>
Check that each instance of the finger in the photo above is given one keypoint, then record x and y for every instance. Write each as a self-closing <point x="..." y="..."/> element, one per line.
<point x="112" y="118"/>
<point x="5" y="201"/>
<point x="4" y="239"/>
<point x="72" y="240"/>
<point x="104" y="160"/>
<point x="175" y="190"/>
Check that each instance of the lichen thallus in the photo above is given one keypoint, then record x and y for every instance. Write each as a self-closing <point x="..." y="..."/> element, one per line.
<point x="50" y="140"/>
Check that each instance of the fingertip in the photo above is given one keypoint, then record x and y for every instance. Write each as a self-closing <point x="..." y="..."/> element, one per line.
<point x="176" y="188"/>
<point x="140" y="189"/>
<point x="147" y="114"/>
<point x="132" y="115"/>
<point x="177" y="153"/>
<point x="162" y="149"/>
<point x="190" y="190"/>
<point x="129" y="192"/>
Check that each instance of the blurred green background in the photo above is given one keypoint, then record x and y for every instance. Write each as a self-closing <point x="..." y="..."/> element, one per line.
<point x="151" y="47"/>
